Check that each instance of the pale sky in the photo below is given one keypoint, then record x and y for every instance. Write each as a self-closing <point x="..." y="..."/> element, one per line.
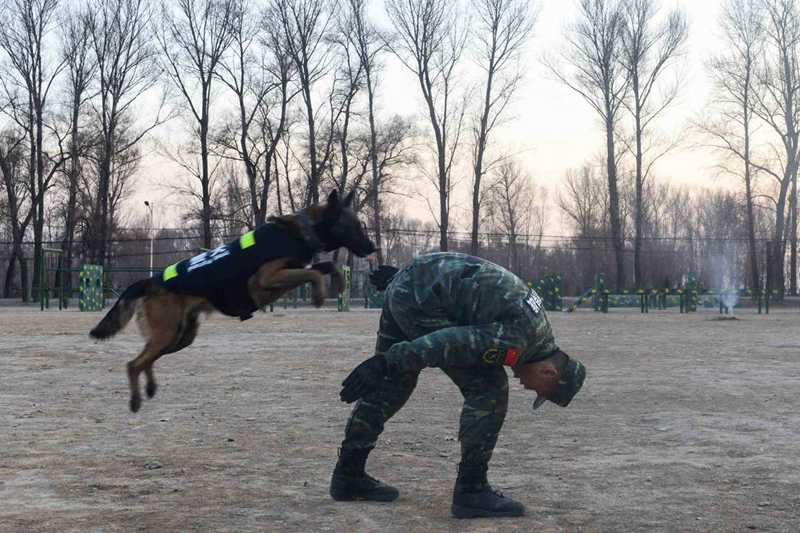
<point x="549" y="125"/>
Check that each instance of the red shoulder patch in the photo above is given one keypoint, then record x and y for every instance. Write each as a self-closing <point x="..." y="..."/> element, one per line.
<point x="511" y="357"/>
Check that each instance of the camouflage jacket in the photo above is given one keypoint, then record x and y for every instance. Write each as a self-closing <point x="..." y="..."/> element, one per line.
<point x="475" y="312"/>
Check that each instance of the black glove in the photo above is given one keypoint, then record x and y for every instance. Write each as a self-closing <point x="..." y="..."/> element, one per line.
<point x="364" y="379"/>
<point x="380" y="278"/>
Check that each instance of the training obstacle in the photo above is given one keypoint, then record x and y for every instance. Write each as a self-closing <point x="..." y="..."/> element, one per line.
<point x="549" y="289"/>
<point x="687" y="298"/>
<point x="357" y="282"/>
<point x="51" y="263"/>
<point x="344" y="295"/>
<point x="91" y="296"/>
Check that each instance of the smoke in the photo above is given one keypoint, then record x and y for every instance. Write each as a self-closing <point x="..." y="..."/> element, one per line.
<point x="722" y="273"/>
<point x="730" y="299"/>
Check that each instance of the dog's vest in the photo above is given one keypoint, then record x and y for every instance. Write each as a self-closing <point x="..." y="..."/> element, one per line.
<point x="221" y="275"/>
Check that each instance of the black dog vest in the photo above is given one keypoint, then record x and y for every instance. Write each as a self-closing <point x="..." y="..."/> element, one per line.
<point x="221" y="275"/>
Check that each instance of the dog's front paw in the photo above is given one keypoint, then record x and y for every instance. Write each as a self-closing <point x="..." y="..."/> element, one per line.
<point x="318" y="297"/>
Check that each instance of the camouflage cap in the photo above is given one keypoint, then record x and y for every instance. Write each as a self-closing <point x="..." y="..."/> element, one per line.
<point x="569" y="383"/>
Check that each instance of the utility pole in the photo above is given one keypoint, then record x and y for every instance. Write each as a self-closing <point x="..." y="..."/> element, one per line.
<point x="150" y="206"/>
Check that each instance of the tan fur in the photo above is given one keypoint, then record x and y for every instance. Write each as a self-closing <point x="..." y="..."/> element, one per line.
<point x="169" y="321"/>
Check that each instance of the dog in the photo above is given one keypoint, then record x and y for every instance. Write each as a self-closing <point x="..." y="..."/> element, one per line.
<point x="236" y="279"/>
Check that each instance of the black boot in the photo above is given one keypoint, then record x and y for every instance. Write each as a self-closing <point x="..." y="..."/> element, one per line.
<point x="473" y="496"/>
<point x="350" y="482"/>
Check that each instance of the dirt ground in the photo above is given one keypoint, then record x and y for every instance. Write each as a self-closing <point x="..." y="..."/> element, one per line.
<point x="684" y="424"/>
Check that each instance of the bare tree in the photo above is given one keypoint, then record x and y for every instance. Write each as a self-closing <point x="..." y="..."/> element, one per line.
<point x="122" y="43"/>
<point x="305" y="25"/>
<point x="81" y="68"/>
<point x="517" y="209"/>
<point x="23" y="34"/>
<point x="583" y="198"/>
<point x="259" y="72"/>
<point x="368" y="44"/>
<point x="19" y="208"/>
<point x="430" y="39"/>
<point x="394" y="150"/>
<point x="778" y="105"/>
<point x="595" y="72"/>
<point x="349" y="82"/>
<point x="649" y="49"/>
<point x="729" y="129"/>
<point x="195" y="35"/>
<point x="120" y="183"/>
<point x="504" y="26"/>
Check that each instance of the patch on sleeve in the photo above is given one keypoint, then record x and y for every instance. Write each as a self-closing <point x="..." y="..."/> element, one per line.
<point x="534" y="301"/>
<point x="511" y="356"/>
<point x="491" y="356"/>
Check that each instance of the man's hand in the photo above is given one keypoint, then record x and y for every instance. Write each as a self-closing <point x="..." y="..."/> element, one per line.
<point x="364" y="379"/>
<point x="381" y="277"/>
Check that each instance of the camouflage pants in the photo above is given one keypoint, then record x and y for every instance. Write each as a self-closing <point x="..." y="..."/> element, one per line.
<point x="485" y="389"/>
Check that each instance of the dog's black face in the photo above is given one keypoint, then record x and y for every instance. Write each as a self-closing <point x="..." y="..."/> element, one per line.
<point x="340" y="228"/>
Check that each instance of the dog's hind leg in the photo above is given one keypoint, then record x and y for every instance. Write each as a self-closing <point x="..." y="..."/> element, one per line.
<point x="136" y="366"/>
<point x="162" y="321"/>
<point x="185" y="338"/>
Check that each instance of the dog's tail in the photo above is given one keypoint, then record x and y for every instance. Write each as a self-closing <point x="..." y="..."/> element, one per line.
<point x="122" y="312"/>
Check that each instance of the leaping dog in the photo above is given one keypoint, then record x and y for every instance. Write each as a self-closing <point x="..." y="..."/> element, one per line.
<point x="236" y="279"/>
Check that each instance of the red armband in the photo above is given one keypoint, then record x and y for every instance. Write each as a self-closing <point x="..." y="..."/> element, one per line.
<point x="511" y="357"/>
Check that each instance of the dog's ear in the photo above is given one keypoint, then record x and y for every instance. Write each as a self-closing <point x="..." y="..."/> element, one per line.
<point x="348" y="200"/>
<point x="333" y="201"/>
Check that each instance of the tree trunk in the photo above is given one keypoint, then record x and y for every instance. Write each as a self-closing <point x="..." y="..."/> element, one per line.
<point x="751" y="229"/>
<point x="613" y="197"/>
<point x="443" y="193"/>
<point x="252" y="179"/>
<point x="480" y="152"/>
<point x="779" y="236"/>
<point x="38" y="222"/>
<point x="637" y="261"/>
<point x="204" y="177"/>
<point x="72" y="193"/>
<point x="373" y="148"/>
<point x="23" y="276"/>
<point x="277" y="182"/>
<point x="312" y="145"/>
<point x="793" y="237"/>
<point x="32" y="168"/>
<point x="476" y="205"/>
<point x="105" y="181"/>
<point x="441" y="149"/>
<point x="9" y="275"/>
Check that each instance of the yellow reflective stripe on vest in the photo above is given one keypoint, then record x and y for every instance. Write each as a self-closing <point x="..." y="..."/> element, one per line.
<point x="171" y="272"/>
<point x="247" y="240"/>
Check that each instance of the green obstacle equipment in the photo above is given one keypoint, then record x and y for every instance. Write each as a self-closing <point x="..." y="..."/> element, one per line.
<point x="90" y="288"/>
<point x="357" y="284"/>
<point x="601" y="299"/>
<point x="687" y="298"/>
<point x="50" y="264"/>
<point x="690" y="291"/>
<point x="550" y="289"/>
<point x="344" y="296"/>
